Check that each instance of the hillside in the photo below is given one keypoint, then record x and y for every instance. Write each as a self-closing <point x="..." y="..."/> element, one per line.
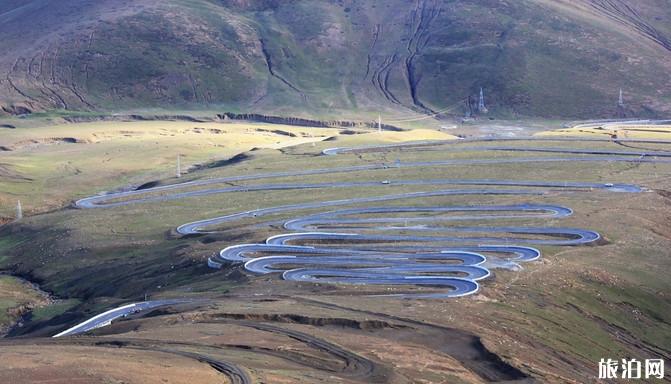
<point x="540" y="58"/>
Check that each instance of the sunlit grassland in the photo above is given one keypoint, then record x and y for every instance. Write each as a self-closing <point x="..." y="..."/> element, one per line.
<point x="47" y="167"/>
<point x="620" y="131"/>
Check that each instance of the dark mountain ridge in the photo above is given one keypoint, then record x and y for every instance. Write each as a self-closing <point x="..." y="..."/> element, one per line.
<point x="539" y="58"/>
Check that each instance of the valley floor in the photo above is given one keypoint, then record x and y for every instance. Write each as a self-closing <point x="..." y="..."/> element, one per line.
<point x="593" y="208"/>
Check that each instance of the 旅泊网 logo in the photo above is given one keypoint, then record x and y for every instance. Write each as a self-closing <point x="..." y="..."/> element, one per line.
<point x="631" y="369"/>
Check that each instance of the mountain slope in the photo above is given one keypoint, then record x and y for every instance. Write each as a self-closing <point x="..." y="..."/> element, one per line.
<point x="549" y="58"/>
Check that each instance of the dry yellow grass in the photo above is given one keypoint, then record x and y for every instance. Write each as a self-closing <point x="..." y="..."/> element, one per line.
<point x="619" y="131"/>
<point x="47" y="167"/>
<point x="412" y="135"/>
<point x="74" y="364"/>
<point x="390" y="137"/>
<point x="240" y="134"/>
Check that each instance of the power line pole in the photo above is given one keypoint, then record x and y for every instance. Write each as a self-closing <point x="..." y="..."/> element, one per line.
<point x="19" y="211"/>
<point x="179" y="167"/>
<point x="379" y="123"/>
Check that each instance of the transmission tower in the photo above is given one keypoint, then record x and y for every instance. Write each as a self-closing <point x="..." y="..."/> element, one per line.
<point x="379" y="123"/>
<point x="19" y="211"/>
<point x="179" y="167"/>
<point x="481" y="104"/>
<point x="620" y="100"/>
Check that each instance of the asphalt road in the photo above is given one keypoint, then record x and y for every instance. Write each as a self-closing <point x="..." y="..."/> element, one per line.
<point x="410" y="245"/>
<point x="327" y="254"/>
<point x="107" y="317"/>
<point x="404" y="246"/>
<point x="141" y="196"/>
<point x="130" y="197"/>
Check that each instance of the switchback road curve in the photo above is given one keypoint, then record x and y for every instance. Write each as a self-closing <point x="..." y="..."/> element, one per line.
<point x="168" y="191"/>
<point x="410" y="245"/>
<point x="368" y="256"/>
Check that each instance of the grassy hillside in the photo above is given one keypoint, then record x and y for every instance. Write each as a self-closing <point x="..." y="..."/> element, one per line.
<point x="17" y="298"/>
<point x="553" y="320"/>
<point x="325" y="57"/>
<point x="46" y="167"/>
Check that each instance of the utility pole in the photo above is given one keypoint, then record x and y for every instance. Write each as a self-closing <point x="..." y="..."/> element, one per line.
<point x="19" y="211"/>
<point x="379" y="123"/>
<point x="620" y="100"/>
<point x="179" y="167"/>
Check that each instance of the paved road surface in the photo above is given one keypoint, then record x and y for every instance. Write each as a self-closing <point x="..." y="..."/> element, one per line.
<point x="409" y="245"/>
<point x="107" y="317"/>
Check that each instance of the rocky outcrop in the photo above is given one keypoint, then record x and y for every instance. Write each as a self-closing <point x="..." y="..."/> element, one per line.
<point x="15" y="109"/>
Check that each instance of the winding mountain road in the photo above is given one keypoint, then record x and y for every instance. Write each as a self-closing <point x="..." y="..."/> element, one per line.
<point x="411" y="245"/>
